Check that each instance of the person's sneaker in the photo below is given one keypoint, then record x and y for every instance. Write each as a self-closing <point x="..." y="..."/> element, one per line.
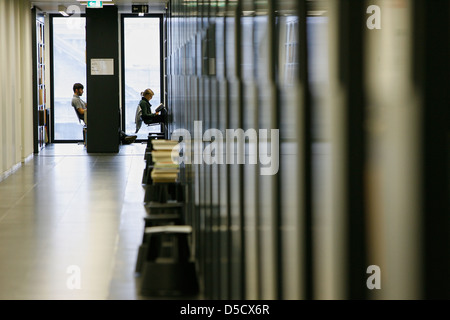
<point x="129" y="139"/>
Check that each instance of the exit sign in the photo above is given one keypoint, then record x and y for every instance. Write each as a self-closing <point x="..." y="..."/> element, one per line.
<point x="95" y="4"/>
<point x="139" y="8"/>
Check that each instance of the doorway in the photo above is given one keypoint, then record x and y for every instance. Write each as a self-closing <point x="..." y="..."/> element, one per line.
<point x="141" y="64"/>
<point x="68" y="56"/>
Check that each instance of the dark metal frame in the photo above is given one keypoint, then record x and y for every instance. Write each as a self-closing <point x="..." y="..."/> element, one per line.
<point x="52" y="81"/>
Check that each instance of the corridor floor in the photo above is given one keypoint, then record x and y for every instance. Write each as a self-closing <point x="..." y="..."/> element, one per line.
<point x="71" y="223"/>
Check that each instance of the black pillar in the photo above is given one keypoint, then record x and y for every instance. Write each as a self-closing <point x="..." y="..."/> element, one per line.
<point x="102" y="49"/>
<point x="432" y="79"/>
<point x="351" y="74"/>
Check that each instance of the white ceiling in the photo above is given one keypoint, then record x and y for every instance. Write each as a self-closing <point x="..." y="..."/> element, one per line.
<point x="124" y="5"/>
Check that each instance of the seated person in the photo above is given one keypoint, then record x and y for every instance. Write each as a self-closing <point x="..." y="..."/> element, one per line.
<point x="79" y="105"/>
<point x="81" y="110"/>
<point x="147" y="116"/>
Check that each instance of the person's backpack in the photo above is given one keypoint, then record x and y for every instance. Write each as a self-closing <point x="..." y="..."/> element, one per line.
<point x="138" y="118"/>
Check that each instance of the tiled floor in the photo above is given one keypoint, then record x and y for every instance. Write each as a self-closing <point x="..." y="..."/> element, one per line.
<point x="71" y="224"/>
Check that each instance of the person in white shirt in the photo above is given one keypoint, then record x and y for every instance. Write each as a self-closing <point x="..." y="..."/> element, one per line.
<point x="79" y="105"/>
<point x="81" y="109"/>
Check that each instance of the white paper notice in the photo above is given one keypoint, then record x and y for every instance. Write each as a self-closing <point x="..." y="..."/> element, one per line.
<point x="104" y="67"/>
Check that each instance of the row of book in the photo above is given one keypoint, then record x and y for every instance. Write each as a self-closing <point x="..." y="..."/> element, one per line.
<point x="164" y="157"/>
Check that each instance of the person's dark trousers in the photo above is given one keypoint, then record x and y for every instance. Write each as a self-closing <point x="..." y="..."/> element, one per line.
<point x="154" y="119"/>
<point x="126" y="139"/>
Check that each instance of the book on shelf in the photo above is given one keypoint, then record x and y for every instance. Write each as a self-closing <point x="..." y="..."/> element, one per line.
<point x="166" y="165"/>
<point x="166" y="170"/>
<point x="41" y="55"/>
<point x="41" y="96"/>
<point x="163" y="156"/>
<point x="164" y="176"/>
<point x="163" y="144"/>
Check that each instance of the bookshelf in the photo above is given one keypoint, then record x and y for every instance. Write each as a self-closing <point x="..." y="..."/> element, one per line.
<point x="291" y="51"/>
<point x="42" y="112"/>
<point x="166" y="65"/>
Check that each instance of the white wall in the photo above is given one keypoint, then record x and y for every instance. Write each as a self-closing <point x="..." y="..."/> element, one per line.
<point x="16" y="83"/>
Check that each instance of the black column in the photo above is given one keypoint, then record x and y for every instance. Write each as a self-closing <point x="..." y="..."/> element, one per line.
<point x="102" y="42"/>
<point x="306" y="165"/>
<point x="432" y="78"/>
<point x="351" y="73"/>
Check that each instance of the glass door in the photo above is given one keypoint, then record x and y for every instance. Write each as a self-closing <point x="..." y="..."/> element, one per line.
<point x="142" y="54"/>
<point x="69" y="67"/>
